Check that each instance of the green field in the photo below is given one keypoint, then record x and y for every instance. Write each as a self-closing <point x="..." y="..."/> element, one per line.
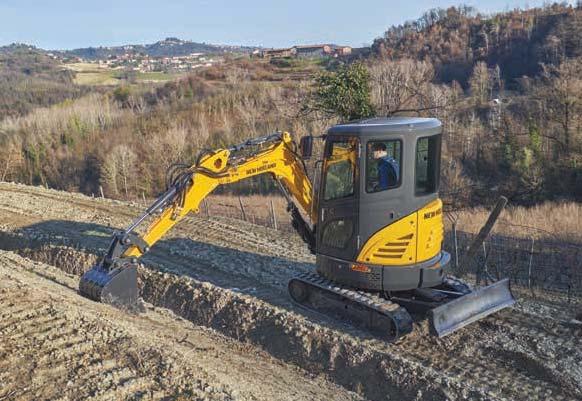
<point x="94" y="75"/>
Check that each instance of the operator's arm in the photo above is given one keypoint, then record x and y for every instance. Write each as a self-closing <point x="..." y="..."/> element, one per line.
<point x="222" y="167"/>
<point x="382" y="175"/>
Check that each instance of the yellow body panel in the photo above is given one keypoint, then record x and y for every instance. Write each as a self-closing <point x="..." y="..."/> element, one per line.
<point x="342" y="154"/>
<point x="413" y="239"/>
<point x="393" y="245"/>
<point x="430" y="231"/>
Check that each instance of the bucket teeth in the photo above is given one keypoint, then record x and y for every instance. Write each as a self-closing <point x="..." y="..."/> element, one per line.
<point x="117" y="287"/>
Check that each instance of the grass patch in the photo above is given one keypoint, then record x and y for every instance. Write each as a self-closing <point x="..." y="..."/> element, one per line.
<point x="96" y="78"/>
<point x="92" y="74"/>
<point x="157" y="76"/>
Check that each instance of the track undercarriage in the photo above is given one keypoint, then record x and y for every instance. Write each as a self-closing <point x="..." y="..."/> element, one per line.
<point x="449" y="307"/>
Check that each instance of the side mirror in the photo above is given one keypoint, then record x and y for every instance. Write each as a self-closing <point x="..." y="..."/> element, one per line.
<point x="306" y="146"/>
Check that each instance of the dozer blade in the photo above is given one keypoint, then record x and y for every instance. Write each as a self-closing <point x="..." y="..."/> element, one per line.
<point x="469" y="308"/>
<point x="117" y="286"/>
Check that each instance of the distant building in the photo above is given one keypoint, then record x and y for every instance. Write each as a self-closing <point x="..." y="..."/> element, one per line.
<point x="304" y="51"/>
<point x="274" y="53"/>
<point x="308" y="51"/>
<point x="340" y="51"/>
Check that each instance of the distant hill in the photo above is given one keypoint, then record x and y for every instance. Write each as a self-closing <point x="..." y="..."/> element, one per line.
<point x="458" y="37"/>
<point x="168" y="47"/>
<point x="29" y="78"/>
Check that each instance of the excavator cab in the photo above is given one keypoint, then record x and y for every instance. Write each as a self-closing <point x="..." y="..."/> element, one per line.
<point x="380" y="232"/>
<point x="380" y="223"/>
<point x="374" y="222"/>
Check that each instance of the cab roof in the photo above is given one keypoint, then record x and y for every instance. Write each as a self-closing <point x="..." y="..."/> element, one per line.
<point x="389" y="125"/>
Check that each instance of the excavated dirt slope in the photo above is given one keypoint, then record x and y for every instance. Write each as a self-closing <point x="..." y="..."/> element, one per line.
<point x="231" y="276"/>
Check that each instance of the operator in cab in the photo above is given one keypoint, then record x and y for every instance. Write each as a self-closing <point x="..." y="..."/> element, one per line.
<point x="387" y="167"/>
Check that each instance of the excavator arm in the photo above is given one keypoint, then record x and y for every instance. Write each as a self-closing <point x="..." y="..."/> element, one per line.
<point x="114" y="279"/>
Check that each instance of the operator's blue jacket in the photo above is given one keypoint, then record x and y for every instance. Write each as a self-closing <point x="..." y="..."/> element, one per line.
<point x="388" y="172"/>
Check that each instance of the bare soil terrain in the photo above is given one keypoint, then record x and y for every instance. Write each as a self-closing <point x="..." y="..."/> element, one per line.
<point x="230" y="276"/>
<point x="57" y="345"/>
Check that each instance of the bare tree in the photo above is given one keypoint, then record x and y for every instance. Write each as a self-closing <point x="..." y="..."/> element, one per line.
<point x="456" y="186"/>
<point x="480" y="83"/>
<point x="250" y="113"/>
<point x="10" y="159"/>
<point x="237" y="75"/>
<point x="169" y="147"/>
<point x="119" y="169"/>
<point x="561" y="96"/>
<point x="109" y="174"/>
<point x="203" y="132"/>
<point x="400" y="86"/>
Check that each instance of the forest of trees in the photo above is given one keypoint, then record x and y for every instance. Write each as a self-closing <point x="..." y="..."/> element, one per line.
<point x="514" y="82"/>
<point x="126" y="139"/>
<point x="518" y="41"/>
<point x="29" y="79"/>
<point x="507" y="131"/>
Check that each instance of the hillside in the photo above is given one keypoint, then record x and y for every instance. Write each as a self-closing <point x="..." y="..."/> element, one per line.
<point x="518" y="137"/>
<point x="457" y="38"/>
<point x="30" y="78"/>
<point x="168" y="47"/>
<point x="72" y="146"/>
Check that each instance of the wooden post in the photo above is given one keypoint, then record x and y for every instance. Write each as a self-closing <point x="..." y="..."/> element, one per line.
<point x="101" y="191"/>
<point x="483" y="233"/>
<point x="456" y="246"/>
<point x="205" y="206"/>
<point x="273" y="216"/>
<point x="143" y="197"/>
<point x="531" y="251"/>
<point x="483" y="271"/>
<point x="242" y="209"/>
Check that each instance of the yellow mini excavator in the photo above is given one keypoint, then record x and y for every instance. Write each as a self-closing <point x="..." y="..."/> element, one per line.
<point x="373" y="219"/>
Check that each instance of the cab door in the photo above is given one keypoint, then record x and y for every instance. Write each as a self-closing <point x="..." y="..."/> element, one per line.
<point x="338" y="199"/>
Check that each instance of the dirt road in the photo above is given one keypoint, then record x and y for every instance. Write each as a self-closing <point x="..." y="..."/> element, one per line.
<point x="231" y="276"/>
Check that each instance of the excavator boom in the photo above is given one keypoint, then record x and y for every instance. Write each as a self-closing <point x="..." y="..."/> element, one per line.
<point x="114" y="279"/>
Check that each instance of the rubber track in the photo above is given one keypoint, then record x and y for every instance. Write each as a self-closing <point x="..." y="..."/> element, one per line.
<point x="400" y="317"/>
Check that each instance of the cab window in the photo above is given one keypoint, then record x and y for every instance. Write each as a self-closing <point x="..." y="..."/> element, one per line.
<point x="383" y="165"/>
<point x="338" y="233"/>
<point x="340" y="170"/>
<point x="428" y="154"/>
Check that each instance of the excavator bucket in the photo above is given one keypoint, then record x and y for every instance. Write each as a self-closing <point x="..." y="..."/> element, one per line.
<point x="116" y="286"/>
<point x="469" y="308"/>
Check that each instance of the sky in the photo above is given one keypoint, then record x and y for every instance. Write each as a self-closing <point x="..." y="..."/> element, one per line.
<point x="68" y="24"/>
